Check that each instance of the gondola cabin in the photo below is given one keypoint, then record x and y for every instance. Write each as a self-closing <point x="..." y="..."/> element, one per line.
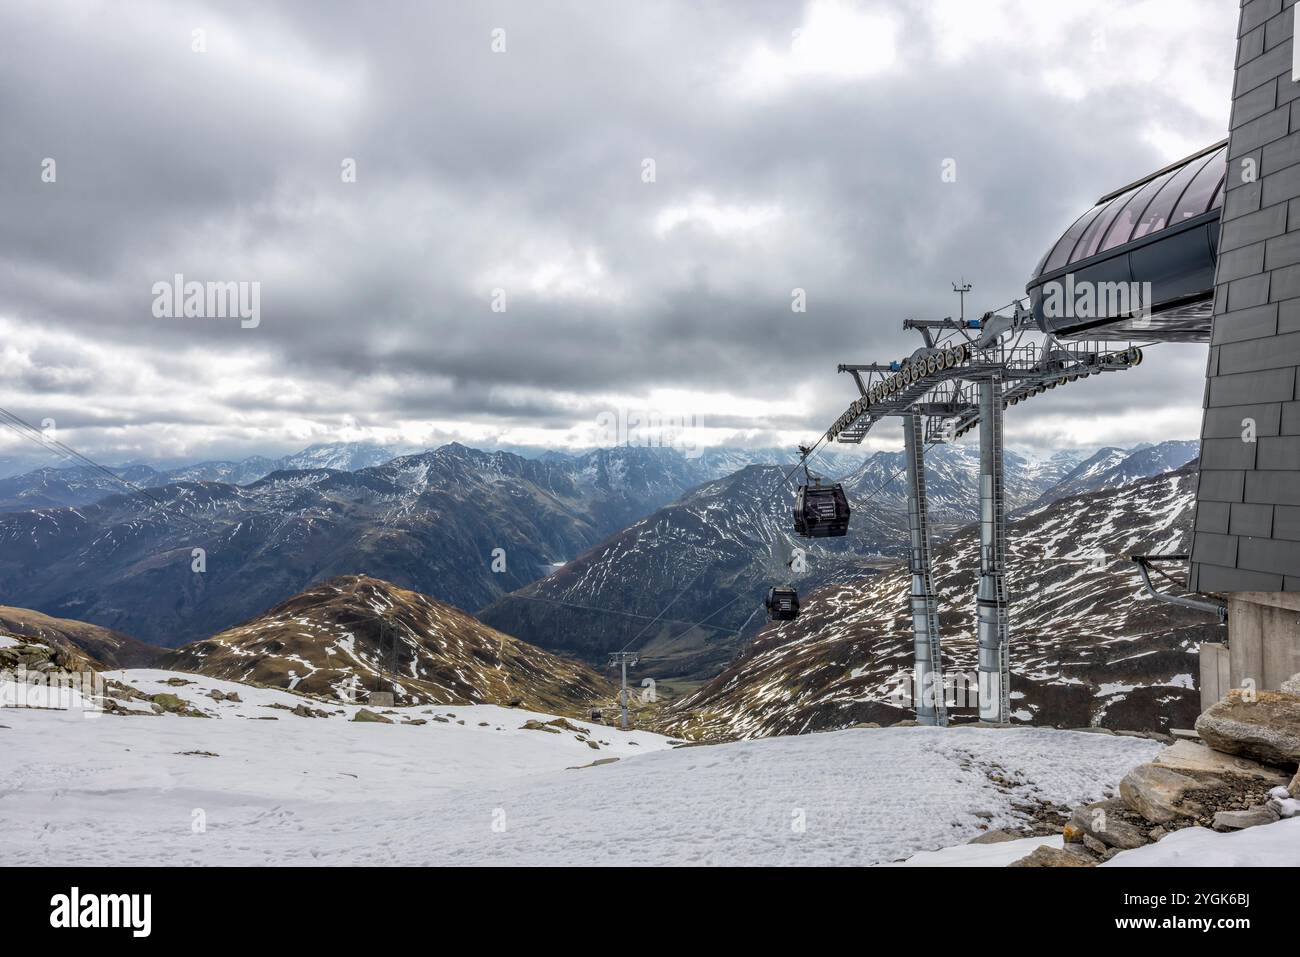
<point x="782" y="604"/>
<point x="821" y="511"/>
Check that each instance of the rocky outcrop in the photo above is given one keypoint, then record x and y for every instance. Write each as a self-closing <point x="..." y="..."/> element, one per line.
<point x="1111" y="823"/>
<point x="1053" y="857"/>
<point x="1229" y="778"/>
<point x="1159" y="793"/>
<point x="1261" y="725"/>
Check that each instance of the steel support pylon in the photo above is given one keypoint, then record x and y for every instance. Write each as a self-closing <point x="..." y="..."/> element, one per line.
<point x="991" y="604"/>
<point x="928" y="688"/>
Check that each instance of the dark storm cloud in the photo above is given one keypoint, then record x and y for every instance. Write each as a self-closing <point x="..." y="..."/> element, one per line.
<point x="522" y="171"/>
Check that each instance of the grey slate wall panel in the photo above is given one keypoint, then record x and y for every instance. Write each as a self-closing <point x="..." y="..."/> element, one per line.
<point x="1247" y="534"/>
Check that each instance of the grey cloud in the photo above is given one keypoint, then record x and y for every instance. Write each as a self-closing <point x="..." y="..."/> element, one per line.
<point x="473" y="166"/>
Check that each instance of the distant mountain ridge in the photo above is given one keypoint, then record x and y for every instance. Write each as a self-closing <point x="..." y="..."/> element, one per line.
<point x="433" y="522"/>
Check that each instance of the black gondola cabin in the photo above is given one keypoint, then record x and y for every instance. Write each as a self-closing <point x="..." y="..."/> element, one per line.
<point x="782" y="604"/>
<point x="821" y="511"/>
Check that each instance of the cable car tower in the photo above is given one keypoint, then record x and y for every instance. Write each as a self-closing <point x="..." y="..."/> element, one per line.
<point x="624" y="659"/>
<point x="941" y="392"/>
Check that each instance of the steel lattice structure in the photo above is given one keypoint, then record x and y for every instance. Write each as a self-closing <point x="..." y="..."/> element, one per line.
<point x="941" y="392"/>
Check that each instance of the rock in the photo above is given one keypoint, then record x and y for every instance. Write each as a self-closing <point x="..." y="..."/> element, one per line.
<point x="217" y="695"/>
<point x="566" y="725"/>
<point x="1105" y="822"/>
<point x="1052" y="857"/>
<point x="1266" y="729"/>
<point x="594" y="764"/>
<point x="1193" y="756"/>
<point x="169" y="702"/>
<point x="1157" y="793"/>
<point x="1281" y="801"/>
<point x="864" y="724"/>
<point x="1184" y="734"/>
<point x="593" y="745"/>
<point x="995" y="837"/>
<point x="1291" y="685"/>
<point x="1094" y="845"/>
<point x="1239" y="820"/>
<point x="178" y="682"/>
<point x="416" y="721"/>
<point x="1157" y="833"/>
<point x="532" y="724"/>
<point x="1294" y="787"/>
<point x="364" y="715"/>
<point x="234" y="696"/>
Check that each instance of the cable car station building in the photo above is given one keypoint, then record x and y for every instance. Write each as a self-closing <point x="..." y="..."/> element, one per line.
<point x="1247" y="535"/>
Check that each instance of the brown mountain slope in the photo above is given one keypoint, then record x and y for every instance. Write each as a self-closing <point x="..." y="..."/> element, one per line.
<point x="103" y="646"/>
<point x="339" y="635"/>
<point x="1087" y="646"/>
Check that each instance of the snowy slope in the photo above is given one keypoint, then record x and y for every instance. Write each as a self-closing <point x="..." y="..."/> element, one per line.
<point x="125" y="790"/>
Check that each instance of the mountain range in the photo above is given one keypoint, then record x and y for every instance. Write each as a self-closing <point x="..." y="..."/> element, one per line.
<point x="466" y="527"/>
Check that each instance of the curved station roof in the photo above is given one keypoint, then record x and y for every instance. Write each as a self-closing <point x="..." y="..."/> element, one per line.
<point x="1163" y="230"/>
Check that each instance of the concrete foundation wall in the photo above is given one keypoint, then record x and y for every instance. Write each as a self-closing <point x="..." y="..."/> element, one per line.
<point x="1216" y="674"/>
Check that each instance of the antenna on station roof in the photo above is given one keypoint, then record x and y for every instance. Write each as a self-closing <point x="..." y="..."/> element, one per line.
<point x="961" y="289"/>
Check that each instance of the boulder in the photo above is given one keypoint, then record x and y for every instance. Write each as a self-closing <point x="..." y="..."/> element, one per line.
<point x="169" y="702"/>
<point x="1281" y="801"/>
<point x="995" y="837"/>
<point x="1105" y="821"/>
<point x="1157" y="793"/>
<point x="1240" y="820"/>
<point x="365" y="715"/>
<point x="1192" y="757"/>
<point x="1265" y="729"/>
<point x="1045" y="856"/>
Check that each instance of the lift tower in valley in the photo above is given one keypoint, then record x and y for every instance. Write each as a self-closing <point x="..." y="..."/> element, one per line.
<point x="623" y="659"/>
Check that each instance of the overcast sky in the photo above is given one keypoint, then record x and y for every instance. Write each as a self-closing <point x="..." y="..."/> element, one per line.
<point x="794" y="145"/>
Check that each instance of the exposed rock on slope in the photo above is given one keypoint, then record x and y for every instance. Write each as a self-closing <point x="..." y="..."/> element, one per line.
<point x="102" y="646"/>
<point x="1087" y="645"/>
<point x="339" y="638"/>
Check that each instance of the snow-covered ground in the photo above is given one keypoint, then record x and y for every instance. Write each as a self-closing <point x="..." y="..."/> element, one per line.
<point x="124" y="790"/>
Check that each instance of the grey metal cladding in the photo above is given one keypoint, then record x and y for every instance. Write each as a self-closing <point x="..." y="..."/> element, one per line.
<point x="1271" y="385"/>
<point x="1278" y="488"/>
<point x="1250" y="520"/>
<point x="1247" y="535"/>
<point x="1245" y="324"/>
<point x="1268" y="555"/>
<point x="1286" y="522"/>
<point x="1235" y="421"/>
<point x="1221" y="486"/>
